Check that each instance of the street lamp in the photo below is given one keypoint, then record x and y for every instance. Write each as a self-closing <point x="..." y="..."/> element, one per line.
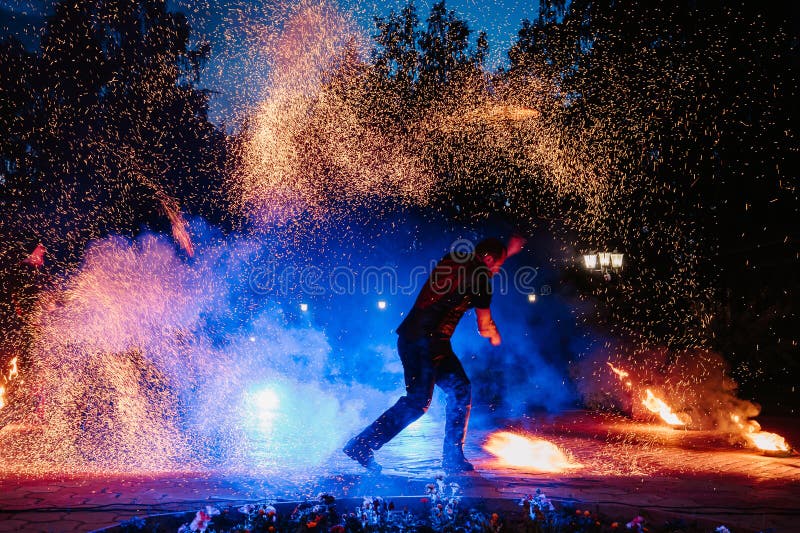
<point x="604" y="262"/>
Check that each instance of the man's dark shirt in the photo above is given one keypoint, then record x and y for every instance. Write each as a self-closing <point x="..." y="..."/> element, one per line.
<point x="457" y="283"/>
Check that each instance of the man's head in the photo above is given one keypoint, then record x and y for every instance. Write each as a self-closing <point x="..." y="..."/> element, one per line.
<point x="492" y="252"/>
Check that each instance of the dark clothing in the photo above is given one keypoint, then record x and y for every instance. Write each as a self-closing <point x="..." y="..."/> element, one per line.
<point x="426" y="363"/>
<point x="459" y="282"/>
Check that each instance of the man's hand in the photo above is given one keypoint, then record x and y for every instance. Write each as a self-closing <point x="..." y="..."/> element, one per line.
<point x="487" y="327"/>
<point x="515" y="244"/>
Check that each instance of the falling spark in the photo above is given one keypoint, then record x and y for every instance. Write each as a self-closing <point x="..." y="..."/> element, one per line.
<point x="660" y="407"/>
<point x="516" y="450"/>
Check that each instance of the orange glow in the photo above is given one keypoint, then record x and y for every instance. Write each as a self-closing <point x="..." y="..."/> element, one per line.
<point x="771" y="442"/>
<point x="2" y="396"/>
<point x="512" y="449"/>
<point x="621" y="374"/>
<point x="13" y="371"/>
<point x="660" y="407"/>
<point x="763" y="440"/>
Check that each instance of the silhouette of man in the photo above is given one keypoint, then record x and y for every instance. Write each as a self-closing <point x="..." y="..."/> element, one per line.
<point x="459" y="282"/>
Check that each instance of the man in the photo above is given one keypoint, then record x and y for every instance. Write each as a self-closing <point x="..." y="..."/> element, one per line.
<point x="458" y="282"/>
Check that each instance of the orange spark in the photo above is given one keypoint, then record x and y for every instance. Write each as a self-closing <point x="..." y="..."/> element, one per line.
<point x="13" y="371"/>
<point x="516" y="450"/>
<point x="621" y="374"/>
<point x="660" y="407"/>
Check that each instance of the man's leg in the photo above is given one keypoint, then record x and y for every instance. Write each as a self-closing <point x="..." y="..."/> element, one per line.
<point x="420" y="376"/>
<point x="450" y="376"/>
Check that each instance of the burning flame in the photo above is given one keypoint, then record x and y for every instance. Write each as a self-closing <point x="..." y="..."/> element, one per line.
<point x="621" y="374"/>
<point x="2" y="396"/>
<point x="512" y="449"/>
<point x="656" y="405"/>
<point x="763" y="440"/>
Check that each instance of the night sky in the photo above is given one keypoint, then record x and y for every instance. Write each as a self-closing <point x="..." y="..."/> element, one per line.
<point x="234" y="79"/>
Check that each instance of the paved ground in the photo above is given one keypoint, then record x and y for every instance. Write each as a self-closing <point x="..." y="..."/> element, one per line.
<point x="626" y="468"/>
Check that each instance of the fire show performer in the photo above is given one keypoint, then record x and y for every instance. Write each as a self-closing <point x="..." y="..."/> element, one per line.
<point x="459" y="282"/>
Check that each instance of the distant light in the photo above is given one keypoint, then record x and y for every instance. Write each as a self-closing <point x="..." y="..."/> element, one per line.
<point x="252" y="339"/>
<point x="381" y="304"/>
<point x="616" y="260"/>
<point x="304" y="307"/>
<point x="605" y="259"/>
<point x="590" y="260"/>
<point x="531" y="298"/>
<point x="266" y="400"/>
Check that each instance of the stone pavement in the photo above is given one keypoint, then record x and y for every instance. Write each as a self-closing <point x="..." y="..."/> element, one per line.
<point x="626" y="468"/>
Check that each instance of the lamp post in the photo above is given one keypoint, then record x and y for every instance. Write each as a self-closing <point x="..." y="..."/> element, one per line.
<point x="603" y="262"/>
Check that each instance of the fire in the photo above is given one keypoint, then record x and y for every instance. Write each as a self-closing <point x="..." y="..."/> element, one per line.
<point x="656" y="405"/>
<point x="512" y="449"/>
<point x="2" y="396"/>
<point x="621" y="374"/>
<point x="763" y="440"/>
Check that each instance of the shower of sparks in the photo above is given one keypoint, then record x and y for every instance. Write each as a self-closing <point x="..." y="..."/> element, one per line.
<point x="512" y="449"/>
<point x="124" y="372"/>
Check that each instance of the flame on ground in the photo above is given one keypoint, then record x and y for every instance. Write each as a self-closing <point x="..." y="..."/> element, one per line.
<point x="763" y="440"/>
<point x="656" y="405"/>
<point x="512" y="449"/>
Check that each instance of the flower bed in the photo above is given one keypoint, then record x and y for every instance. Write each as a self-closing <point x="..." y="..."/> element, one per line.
<point x="442" y="509"/>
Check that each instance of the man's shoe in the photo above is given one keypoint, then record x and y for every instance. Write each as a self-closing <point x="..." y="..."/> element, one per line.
<point x="456" y="464"/>
<point x="362" y="454"/>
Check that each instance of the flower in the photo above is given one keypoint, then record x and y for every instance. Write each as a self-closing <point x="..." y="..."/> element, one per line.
<point x="637" y="524"/>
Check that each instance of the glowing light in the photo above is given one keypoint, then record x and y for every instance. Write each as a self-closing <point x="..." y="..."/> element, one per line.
<point x="512" y="449"/>
<point x="2" y="396"/>
<point x="590" y="261"/>
<point x="658" y="406"/>
<point x="304" y="307"/>
<point x="266" y="400"/>
<point x="605" y="259"/>
<point x="381" y="304"/>
<point x="616" y="260"/>
<point x="531" y="298"/>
